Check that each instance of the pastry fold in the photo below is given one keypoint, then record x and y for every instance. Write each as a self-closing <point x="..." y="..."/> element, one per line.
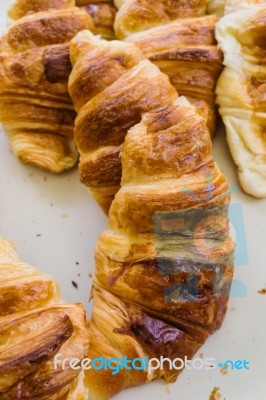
<point x="180" y="40"/>
<point x="186" y="50"/>
<point x="35" y="326"/>
<point x="241" y="37"/>
<point x="138" y="15"/>
<point x="102" y="11"/>
<point x="111" y="85"/>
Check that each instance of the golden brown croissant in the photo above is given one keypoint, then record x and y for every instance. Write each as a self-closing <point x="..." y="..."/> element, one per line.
<point x="35" y="107"/>
<point x="172" y="199"/>
<point x="186" y="50"/>
<point x="183" y="48"/>
<point x="35" y="325"/>
<point x="138" y="15"/>
<point x="241" y="36"/>
<point x="101" y="11"/>
<point x="111" y="85"/>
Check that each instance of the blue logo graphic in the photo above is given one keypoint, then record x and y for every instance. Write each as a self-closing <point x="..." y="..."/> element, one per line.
<point x="235" y="365"/>
<point x="194" y="244"/>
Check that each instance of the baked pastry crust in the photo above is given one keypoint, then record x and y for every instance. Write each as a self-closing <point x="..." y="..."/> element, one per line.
<point x="35" y="325"/>
<point x="111" y="85"/>
<point x="102" y="11"/>
<point x="169" y="150"/>
<point x="138" y="15"/>
<point x="35" y="107"/>
<point x="180" y="39"/>
<point x="241" y="37"/>
<point x="186" y="50"/>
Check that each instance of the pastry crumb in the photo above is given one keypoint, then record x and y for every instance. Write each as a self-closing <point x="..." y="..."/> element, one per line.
<point x="215" y="394"/>
<point x="39" y="235"/>
<point x="75" y="284"/>
<point x="201" y="355"/>
<point x="262" y="291"/>
<point x="232" y="308"/>
<point x="167" y="389"/>
<point x="77" y="263"/>
<point x="64" y="215"/>
<point x="223" y="371"/>
<point x="90" y="275"/>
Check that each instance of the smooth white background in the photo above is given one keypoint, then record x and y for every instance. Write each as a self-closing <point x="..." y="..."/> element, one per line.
<point x="58" y="208"/>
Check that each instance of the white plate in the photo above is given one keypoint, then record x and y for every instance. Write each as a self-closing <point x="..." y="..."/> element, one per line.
<point x="58" y="208"/>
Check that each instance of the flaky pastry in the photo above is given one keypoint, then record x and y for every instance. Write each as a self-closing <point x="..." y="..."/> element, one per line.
<point x="241" y="92"/>
<point x="173" y="198"/>
<point x="36" y="325"/>
<point x="35" y="107"/>
<point x="180" y="39"/>
<point x="112" y="85"/>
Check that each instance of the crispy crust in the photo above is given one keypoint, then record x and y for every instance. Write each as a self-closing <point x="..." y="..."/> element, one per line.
<point x="35" y="325"/>
<point x="137" y="261"/>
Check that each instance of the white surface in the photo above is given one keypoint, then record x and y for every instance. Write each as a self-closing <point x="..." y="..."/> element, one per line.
<point x="33" y="202"/>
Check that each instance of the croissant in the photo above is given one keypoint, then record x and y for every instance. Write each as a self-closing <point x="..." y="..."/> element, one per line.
<point x="184" y="48"/>
<point x="101" y="11"/>
<point x="138" y="15"/>
<point x="243" y="109"/>
<point x="36" y="325"/>
<point x="111" y="85"/>
<point x="35" y="107"/>
<point x="158" y="223"/>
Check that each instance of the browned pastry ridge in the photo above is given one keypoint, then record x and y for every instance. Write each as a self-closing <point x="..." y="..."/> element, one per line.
<point x="35" y="107"/>
<point x="102" y="11"/>
<point x="36" y="325"/>
<point x="181" y="41"/>
<point x="111" y="85"/>
<point x="173" y="200"/>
